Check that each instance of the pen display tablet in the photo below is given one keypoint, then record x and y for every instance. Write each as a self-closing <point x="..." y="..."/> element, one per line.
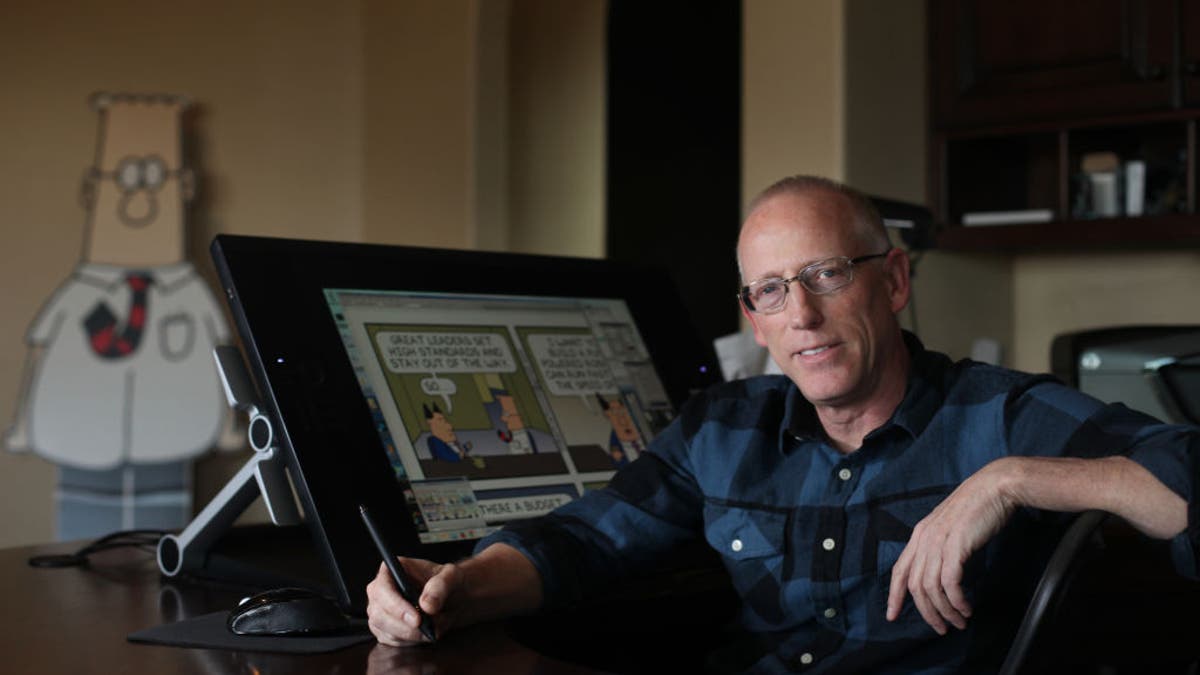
<point x="452" y="391"/>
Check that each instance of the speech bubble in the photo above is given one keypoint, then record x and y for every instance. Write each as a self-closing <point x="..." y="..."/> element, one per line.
<point x="440" y="386"/>
<point x="572" y="364"/>
<point x="444" y="352"/>
<point x="510" y="508"/>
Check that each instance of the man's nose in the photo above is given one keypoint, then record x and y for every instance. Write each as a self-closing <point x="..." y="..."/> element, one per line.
<point x="138" y="207"/>
<point x="802" y="307"/>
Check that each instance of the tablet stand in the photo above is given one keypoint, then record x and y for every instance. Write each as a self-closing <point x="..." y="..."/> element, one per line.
<point x="264" y="474"/>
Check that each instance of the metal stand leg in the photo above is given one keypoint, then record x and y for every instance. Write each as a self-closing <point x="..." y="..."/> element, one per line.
<point x="264" y="474"/>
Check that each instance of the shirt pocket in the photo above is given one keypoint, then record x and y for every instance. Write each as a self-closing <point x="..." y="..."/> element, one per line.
<point x="751" y="541"/>
<point x="176" y="336"/>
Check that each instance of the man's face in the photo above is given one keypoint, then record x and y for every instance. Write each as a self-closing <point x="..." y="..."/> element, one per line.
<point x="441" y="428"/>
<point x="832" y="346"/>
<point x="137" y="192"/>
<point x="622" y="423"/>
<point x="509" y="415"/>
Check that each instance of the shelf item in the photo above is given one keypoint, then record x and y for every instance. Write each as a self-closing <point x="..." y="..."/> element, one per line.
<point x="978" y="218"/>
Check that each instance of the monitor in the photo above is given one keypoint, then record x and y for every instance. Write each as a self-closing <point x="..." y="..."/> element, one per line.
<point x="452" y="391"/>
<point x="1154" y="369"/>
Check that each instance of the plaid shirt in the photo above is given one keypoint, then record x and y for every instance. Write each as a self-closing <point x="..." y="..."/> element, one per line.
<point x="809" y="535"/>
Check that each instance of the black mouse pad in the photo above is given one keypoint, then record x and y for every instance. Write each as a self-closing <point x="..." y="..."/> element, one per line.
<point x="209" y="632"/>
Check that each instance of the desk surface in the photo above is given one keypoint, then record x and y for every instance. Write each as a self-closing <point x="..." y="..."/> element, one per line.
<point x="74" y="620"/>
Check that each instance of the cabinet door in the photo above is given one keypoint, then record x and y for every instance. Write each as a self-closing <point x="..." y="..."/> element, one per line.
<point x="995" y="61"/>
<point x="1189" y="26"/>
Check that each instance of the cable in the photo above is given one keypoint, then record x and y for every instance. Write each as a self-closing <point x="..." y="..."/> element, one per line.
<point x="146" y="540"/>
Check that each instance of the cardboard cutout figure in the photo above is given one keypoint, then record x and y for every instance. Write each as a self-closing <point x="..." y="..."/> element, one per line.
<point x="120" y="389"/>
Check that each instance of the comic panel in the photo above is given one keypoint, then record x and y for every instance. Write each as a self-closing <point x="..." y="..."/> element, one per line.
<point x="593" y="411"/>
<point x="468" y="407"/>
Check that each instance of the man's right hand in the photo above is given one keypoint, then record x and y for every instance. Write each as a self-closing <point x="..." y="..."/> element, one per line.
<point x="393" y="620"/>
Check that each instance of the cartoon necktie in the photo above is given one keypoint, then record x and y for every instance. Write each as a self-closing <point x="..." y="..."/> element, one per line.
<point x="101" y="324"/>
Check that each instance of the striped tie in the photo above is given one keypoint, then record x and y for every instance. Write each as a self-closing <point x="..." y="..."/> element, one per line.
<point x="101" y="324"/>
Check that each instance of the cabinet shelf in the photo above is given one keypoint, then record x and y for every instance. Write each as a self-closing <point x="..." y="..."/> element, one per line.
<point x="1075" y="235"/>
<point x="1091" y="117"/>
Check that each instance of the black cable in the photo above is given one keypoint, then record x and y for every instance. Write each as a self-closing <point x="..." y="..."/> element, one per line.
<point x="146" y="540"/>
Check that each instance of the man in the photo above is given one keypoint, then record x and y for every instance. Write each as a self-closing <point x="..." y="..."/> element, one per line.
<point x="442" y="441"/>
<point x="514" y="434"/>
<point x="868" y="505"/>
<point x="625" y="442"/>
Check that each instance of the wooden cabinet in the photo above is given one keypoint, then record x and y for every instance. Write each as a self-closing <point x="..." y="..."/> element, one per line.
<point x="1003" y="61"/>
<point x="1028" y="97"/>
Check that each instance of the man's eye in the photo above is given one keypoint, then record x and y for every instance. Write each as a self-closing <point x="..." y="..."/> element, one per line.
<point x="768" y="290"/>
<point x="828" y="273"/>
<point x="129" y="174"/>
<point x="154" y="172"/>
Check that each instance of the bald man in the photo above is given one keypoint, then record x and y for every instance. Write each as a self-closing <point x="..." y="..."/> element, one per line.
<point x="856" y="499"/>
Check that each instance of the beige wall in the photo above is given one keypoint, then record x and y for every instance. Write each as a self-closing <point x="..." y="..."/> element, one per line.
<point x="792" y="91"/>
<point x="1055" y="294"/>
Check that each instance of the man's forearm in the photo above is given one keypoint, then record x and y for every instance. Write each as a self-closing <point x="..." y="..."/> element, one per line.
<point x="1114" y="484"/>
<point x="499" y="581"/>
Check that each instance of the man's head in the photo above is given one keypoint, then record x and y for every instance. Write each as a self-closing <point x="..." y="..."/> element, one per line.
<point x="136" y="190"/>
<point x="439" y="427"/>
<point x="509" y="415"/>
<point x="620" y="419"/>
<point x="838" y="347"/>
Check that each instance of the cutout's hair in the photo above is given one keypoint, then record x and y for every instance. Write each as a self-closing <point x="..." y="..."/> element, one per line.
<point x="101" y="100"/>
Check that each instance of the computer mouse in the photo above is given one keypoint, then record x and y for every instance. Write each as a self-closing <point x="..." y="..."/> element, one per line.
<point x="287" y="611"/>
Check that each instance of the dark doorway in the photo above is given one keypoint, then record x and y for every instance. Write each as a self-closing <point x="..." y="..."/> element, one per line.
<point x="674" y="148"/>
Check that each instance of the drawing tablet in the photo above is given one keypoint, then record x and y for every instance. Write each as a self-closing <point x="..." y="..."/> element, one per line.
<point x="452" y="391"/>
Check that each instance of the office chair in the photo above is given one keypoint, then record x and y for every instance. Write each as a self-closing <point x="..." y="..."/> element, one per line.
<point x="1108" y="601"/>
<point x="1051" y="587"/>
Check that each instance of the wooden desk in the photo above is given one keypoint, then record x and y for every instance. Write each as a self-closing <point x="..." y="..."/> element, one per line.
<point x="74" y="620"/>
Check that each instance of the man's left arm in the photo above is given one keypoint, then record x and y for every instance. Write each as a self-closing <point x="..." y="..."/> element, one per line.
<point x="931" y="565"/>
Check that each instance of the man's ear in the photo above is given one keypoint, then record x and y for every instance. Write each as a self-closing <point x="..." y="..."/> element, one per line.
<point x="753" y="319"/>
<point x="187" y="184"/>
<point x="899" y="279"/>
<point x="87" y="189"/>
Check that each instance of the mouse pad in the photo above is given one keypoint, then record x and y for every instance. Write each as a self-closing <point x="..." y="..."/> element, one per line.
<point x="209" y="632"/>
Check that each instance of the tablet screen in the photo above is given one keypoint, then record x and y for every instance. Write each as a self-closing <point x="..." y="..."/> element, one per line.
<point x="493" y="408"/>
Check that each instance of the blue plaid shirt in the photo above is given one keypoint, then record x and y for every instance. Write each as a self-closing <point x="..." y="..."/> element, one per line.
<point x="809" y="535"/>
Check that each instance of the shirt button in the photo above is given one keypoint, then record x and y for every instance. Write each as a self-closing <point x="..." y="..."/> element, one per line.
<point x="736" y="545"/>
<point x="806" y="658"/>
<point x="844" y="474"/>
<point x="830" y="613"/>
<point x="828" y="544"/>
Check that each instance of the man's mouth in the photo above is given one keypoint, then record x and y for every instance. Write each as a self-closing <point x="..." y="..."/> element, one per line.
<point x="815" y="350"/>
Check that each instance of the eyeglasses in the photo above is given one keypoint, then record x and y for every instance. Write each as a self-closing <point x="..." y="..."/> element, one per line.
<point x="767" y="296"/>
<point x="134" y="173"/>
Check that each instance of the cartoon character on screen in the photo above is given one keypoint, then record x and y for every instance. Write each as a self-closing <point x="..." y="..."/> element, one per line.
<point x="624" y="443"/>
<point x="513" y="431"/>
<point x="120" y="389"/>
<point x="442" y="441"/>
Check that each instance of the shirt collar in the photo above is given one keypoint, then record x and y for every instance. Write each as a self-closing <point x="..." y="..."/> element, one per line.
<point x="922" y="398"/>
<point x="111" y="275"/>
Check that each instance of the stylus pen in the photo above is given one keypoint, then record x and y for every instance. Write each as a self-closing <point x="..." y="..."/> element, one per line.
<point x="402" y="581"/>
